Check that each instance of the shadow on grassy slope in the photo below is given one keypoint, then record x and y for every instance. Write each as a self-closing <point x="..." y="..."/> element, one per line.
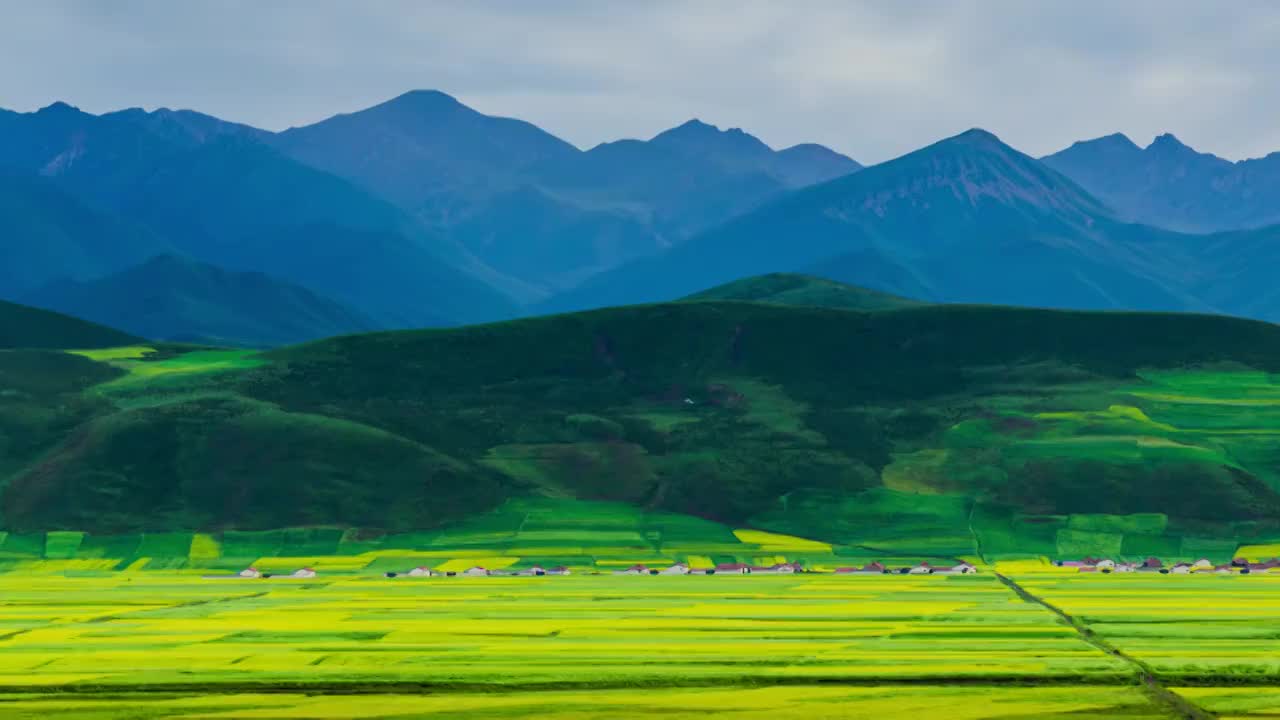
<point x="794" y="418"/>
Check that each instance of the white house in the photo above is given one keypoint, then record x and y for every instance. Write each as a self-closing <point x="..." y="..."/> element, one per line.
<point x="421" y="571"/>
<point x="633" y="570"/>
<point x="305" y="572"/>
<point x="677" y="569"/>
<point x="1106" y="565"/>
<point x="963" y="568"/>
<point x="558" y="570"/>
<point x="921" y="569"/>
<point x="536" y="570"/>
<point x="1202" y="564"/>
<point x="475" y="572"/>
<point x="250" y="572"/>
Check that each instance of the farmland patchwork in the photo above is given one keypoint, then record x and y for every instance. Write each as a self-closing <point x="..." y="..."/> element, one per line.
<point x="351" y="644"/>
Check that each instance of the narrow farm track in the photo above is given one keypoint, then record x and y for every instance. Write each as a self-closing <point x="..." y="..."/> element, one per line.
<point x="164" y="608"/>
<point x="1163" y="697"/>
<point x="398" y="687"/>
<point x="142" y="611"/>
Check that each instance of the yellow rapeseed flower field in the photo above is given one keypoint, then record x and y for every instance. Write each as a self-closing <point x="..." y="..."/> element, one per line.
<point x="1259" y="553"/>
<point x="131" y="352"/>
<point x="778" y="543"/>
<point x="608" y="646"/>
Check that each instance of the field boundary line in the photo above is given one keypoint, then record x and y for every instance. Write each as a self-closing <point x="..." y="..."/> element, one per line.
<point x="117" y="615"/>
<point x="401" y="687"/>
<point x="1150" y="681"/>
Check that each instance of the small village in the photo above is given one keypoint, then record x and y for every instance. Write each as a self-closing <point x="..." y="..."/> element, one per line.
<point x="874" y="568"/>
<point x="1238" y="566"/>
<point x="252" y="573"/>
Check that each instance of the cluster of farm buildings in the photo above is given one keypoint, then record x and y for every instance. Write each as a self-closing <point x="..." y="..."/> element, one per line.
<point x="874" y="568"/>
<point x="721" y="569"/>
<point x="1238" y="566"/>
<point x="253" y="573"/>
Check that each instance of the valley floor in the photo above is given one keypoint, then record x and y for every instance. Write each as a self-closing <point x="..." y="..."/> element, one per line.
<point x="1010" y="645"/>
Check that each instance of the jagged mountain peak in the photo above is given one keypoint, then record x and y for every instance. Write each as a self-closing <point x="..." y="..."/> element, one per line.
<point x="1168" y="142"/>
<point x="59" y="107"/>
<point x="424" y="100"/>
<point x="976" y="138"/>
<point x="698" y="135"/>
<point x="690" y="126"/>
<point x="1112" y="142"/>
<point x="971" y="168"/>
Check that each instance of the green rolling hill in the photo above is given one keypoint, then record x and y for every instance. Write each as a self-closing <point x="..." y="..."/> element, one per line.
<point x="27" y="327"/>
<point x="45" y="393"/>
<point x="803" y="290"/>
<point x="932" y="429"/>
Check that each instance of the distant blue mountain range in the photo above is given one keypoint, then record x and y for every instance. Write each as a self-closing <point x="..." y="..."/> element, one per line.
<point x="417" y="212"/>
<point x="421" y="211"/>
<point x="1173" y="186"/>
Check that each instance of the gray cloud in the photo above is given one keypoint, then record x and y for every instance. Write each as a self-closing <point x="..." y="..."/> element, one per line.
<point x="871" y="79"/>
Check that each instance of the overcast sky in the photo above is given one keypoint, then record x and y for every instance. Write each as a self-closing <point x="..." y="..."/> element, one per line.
<point x="872" y="80"/>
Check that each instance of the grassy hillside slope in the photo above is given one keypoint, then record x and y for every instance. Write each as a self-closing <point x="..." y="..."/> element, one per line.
<point x="804" y="290"/>
<point x="28" y="327"/>
<point x="935" y="430"/>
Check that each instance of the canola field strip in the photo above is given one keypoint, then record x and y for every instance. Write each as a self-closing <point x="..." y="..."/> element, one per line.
<point x="917" y="702"/>
<point x="585" y="646"/>
<point x="154" y="629"/>
<point x="1235" y="703"/>
<point x="1199" y="630"/>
